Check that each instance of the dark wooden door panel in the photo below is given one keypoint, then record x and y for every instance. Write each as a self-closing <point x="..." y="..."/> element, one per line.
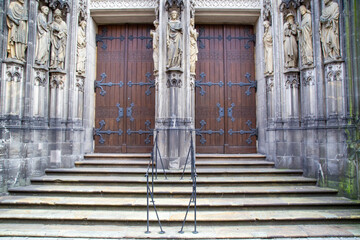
<point x="226" y="55"/>
<point x="125" y="56"/>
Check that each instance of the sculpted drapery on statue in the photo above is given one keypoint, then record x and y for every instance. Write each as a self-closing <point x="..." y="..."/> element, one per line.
<point x="58" y="41"/>
<point x="268" y="49"/>
<point x="174" y="42"/>
<point x="290" y="42"/>
<point x="330" y="30"/>
<point x="42" y="37"/>
<point x="17" y="30"/>
<point x="193" y="46"/>
<point x="306" y="41"/>
<point x="155" y="36"/>
<point x="81" y="49"/>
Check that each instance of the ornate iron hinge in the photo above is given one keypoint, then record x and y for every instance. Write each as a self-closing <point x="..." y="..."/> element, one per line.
<point x="99" y="132"/>
<point x="252" y="132"/>
<point x="101" y="38"/>
<point x="201" y="38"/>
<point x="150" y="132"/>
<point x="150" y="83"/>
<point x="149" y="43"/>
<point x="200" y="132"/>
<point x="250" y="38"/>
<point x="100" y="84"/>
<point x="200" y="84"/>
<point x="251" y="84"/>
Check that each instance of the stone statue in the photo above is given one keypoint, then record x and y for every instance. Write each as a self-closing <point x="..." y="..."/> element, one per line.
<point x="58" y="41"/>
<point x="306" y="41"/>
<point x="18" y="30"/>
<point x="268" y="49"/>
<point x="155" y="37"/>
<point x="42" y="37"/>
<point x="174" y="42"/>
<point x="193" y="46"/>
<point x="330" y="30"/>
<point x="290" y="42"/>
<point x="81" y="49"/>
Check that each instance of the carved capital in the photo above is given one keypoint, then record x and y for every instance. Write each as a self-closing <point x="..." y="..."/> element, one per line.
<point x="14" y="72"/>
<point x="269" y="84"/>
<point x="308" y="78"/>
<point x="292" y="80"/>
<point x="174" y="79"/>
<point x="40" y="78"/>
<point x="286" y="4"/>
<point x="61" y="4"/>
<point x="80" y="84"/>
<point x="57" y="80"/>
<point x="334" y="72"/>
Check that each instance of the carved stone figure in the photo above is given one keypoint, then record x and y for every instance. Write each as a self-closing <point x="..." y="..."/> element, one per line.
<point x="155" y="36"/>
<point x="193" y="46"/>
<point x="290" y="42"/>
<point x="330" y="30"/>
<point x="174" y="42"/>
<point x="306" y="41"/>
<point x="58" y="41"/>
<point x="42" y="37"/>
<point x="18" y="30"/>
<point x="81" y="49"/>
<point x="268" y="49"/>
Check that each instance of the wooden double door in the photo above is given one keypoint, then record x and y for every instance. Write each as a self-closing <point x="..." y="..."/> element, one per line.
<point x="225" y="90"/>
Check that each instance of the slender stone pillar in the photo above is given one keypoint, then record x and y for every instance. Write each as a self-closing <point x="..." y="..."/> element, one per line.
<point x="174" y="95"/>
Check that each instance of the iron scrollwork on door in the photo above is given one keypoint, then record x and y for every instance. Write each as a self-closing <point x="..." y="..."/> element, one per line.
<point x="230" y="112"/>
<point x="201" y="38"/>
<point x="249" y="37"/>
<point x="200" y="132"/>
<point x="200" y="84"/>
<point x="149" y="131"/>
<point x="100" y="84"/>
<point x="252" y="132"/>
<point x="150" y="83"/>
<point x="148" y="44"/>
<point x="251" y="84"/>
<point x="129" y="112"/>
<point x="99" y="131"/>
<point x="102" y="37"/>
<point x="221" y="112"/>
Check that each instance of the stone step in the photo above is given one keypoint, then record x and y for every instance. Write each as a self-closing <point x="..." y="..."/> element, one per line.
<point x="171" y="181"/>
<point x="200" y="172"/>
<point x="199" y="164"/>
<point x="216" y="217"/>
<point x="276" y="232"/>
<point x="174" y="191"/>
<point x="202" y="203"/>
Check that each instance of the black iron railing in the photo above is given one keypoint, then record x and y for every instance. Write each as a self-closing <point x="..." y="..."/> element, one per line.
<point x="153" y="163"/>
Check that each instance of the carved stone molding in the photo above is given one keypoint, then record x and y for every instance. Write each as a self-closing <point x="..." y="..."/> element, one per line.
<point x="308" y="77"/>
<point x="82" y="9"/>
<point x="192" y="82"/>
<point x="292" y="80"/>
<point x="57" y="80"/>
<point x="334" y="72"/>
<point x="227" y="4"/>
<point x="267" y="9"/>
<point x="14" y="72"/>
<point x="61" y="4"/>
<point x="286" y="4"/>
<point x="269" y="83"/>
<point x="80" y="83"/>
<point x="174" y="79"/>
<point x="40" y="77"/>
<point x="111" y="4"/>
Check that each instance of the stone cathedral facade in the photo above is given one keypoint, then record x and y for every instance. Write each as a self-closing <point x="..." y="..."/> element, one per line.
<point x="277" y="77"/>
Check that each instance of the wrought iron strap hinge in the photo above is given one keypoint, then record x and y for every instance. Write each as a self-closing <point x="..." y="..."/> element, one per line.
<point x="249" y="38"/>
<point x="250" y="84"/>
<point x="252" y="131"/>
<point x="100" y="84"/>
<point x="148" y="44"/>
<point x="102" y="37"/>
<point x="200" y="84"/>
<point x="201" y="38"/>
<point x="200" y="132"/>
<point x="99" y="131"/>
<point x="149" y="131"/>
<point x="150" y="83"/>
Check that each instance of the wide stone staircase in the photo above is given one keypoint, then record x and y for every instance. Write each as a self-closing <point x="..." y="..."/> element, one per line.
<point x="238" y="197"/>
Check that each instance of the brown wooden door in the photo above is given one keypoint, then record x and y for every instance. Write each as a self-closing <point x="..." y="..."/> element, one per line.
<point x="225" y="90"/>
<point x="125" y="98"/>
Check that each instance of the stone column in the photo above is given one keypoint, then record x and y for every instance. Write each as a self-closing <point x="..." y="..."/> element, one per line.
<point x="174" y="97"/>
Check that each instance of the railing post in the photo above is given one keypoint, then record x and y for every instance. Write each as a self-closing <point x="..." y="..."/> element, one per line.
<point x="147" y="203"/>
